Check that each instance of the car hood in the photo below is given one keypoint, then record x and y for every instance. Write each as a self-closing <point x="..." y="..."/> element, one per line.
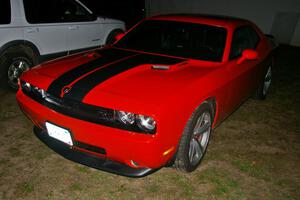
<point x="115" y="75"/>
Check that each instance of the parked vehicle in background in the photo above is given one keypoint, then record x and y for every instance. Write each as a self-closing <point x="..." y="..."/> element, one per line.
<point x="32" y="31"/>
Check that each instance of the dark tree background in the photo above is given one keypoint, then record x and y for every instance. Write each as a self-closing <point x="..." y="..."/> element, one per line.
<point x="130" y="11"/>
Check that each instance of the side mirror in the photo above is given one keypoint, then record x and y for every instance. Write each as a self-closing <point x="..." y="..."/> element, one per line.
<point x="248" y="54"/>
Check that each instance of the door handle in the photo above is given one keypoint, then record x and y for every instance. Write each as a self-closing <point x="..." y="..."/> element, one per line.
<point x="73" y="27"/>
<point x="32" y="30"/>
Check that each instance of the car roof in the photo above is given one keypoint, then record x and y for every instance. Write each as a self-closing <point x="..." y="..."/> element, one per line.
<point x="215" y="20"/>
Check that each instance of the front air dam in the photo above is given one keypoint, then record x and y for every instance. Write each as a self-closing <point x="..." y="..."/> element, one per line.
<point x="90" y="160"/>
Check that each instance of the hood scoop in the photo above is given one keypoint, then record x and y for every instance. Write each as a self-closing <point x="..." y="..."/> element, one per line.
<point x="160" y="67"/>
<point x="168" y="67"/>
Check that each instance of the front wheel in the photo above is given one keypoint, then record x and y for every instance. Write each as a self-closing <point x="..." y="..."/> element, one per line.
<point x="195" y="139"/>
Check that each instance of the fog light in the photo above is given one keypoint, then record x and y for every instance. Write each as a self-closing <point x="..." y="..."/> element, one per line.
<point x="134" y="164"/>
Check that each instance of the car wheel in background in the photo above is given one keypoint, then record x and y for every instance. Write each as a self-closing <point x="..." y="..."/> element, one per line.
<point x="13" y="63"/>
<point x="111" y="38"/>
<point x="195" y="139"/>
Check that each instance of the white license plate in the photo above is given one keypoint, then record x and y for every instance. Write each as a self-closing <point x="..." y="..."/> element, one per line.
<point x="59" y="133"/>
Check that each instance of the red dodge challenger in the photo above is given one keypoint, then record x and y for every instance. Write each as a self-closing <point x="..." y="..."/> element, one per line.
<point x="152" y="98"/>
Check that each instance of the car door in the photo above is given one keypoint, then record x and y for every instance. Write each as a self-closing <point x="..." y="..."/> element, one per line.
<point x="244" y="75"/>
<point x="84" y="30"/>
<point x="45" y="27"/>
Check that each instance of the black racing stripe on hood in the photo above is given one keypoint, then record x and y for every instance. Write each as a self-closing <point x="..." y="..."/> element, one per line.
<point x="83" y="86"/>
<point x="106" y="56"/>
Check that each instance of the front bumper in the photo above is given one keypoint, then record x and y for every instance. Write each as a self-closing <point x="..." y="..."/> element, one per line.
<point x="142" y="152"/>
<point x="90" y="160"/>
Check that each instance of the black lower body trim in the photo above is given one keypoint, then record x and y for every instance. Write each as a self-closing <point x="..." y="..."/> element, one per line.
<point x="89" y="159"/>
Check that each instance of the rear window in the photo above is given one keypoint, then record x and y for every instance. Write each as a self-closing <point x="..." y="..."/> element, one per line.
<point x="5" y="12"/>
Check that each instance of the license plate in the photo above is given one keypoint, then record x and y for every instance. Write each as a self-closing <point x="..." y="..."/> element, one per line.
<point x="59" y="133"/>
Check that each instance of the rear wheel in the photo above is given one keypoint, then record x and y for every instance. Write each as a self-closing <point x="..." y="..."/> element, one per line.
<point x="262" y="90"/>
<point x="195" y="139"/>
<point x="111" y="38"/>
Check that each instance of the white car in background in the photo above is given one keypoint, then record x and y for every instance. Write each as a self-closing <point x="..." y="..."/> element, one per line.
<point x="32" y="31"/>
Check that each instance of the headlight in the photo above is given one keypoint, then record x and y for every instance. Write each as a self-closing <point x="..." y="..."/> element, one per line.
<point x="39" y="92"/>
<point x="43" y="93"/>
<point x="126" y="117"/>
<point x="146" y="123"/>
<point x="26" y="86"/>
<point x="33" y="90"/>
<point x="140" y="123"/>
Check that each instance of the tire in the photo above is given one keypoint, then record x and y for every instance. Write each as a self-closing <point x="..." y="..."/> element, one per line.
<point x="195" y="138"/>
<point x="111" y="38"/>
<point x="262" y="90"/>
<point x="13" y="63"/>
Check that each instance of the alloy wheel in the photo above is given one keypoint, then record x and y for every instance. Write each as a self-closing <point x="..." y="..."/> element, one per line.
<point x="17" y="67"/>
<point x="200" y="138"/>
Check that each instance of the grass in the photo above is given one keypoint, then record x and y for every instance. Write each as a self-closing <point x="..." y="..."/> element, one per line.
<point x="254" y="154"/>
<point x="76" y="187"/>
<point x="26" y="187"/>
<point x="254" y="169"/>
<point x="14" y="151"/>
<point x="83" y="169"/>
<point x="224" y="185"/>
<point x="153" y="188"/>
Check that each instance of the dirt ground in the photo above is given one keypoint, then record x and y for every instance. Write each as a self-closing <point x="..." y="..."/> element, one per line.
<point x="254" y="154"/>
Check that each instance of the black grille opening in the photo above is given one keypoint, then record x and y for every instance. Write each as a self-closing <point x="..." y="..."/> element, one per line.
<point x="90" y="147"/>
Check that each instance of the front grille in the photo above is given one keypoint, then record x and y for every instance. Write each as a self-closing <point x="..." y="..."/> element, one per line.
<point x="78" y="110"/>
<point x="72" y="108"/>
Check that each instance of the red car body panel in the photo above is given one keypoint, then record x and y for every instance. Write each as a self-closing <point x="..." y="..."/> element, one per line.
<point x="168" y="96"/>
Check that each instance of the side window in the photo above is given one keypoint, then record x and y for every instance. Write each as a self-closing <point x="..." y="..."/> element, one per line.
<point x="5" y="12"/>
<point x="42" y="11"/>
<point x="55" y="11"/>
<point x="243" y="38"/>
<point x="253" y="37"/>
<point x="74" y="12"/>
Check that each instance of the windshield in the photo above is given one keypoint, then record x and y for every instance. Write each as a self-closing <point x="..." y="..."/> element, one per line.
<point x="188" y="40"/>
